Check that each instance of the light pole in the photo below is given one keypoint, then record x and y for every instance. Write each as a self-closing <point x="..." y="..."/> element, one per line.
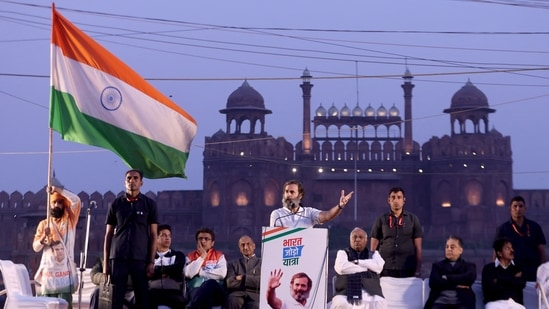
<point x="356" y="173"/>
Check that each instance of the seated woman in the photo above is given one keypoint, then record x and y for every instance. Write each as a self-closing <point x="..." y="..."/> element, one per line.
<point x="451" y="279"/>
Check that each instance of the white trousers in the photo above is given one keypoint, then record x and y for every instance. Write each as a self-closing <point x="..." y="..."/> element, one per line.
<point x="504" y="304"/>
<point x="368" y="302"/>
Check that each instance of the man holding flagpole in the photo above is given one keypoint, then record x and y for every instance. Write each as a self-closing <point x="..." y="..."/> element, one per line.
<point x="55" y="237"/>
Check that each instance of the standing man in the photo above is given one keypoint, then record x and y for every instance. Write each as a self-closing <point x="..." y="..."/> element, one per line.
<point x="503" y="280"/>
<point x="130" y="241"/>
<point x="300" y="289"/>
<point x="206" y="268"/>
<point x="526" y="236"/>
<point x="166" y="285"/>
<point x="357" y="282"/>
<point x="243" y="277"/>
<point x="398" y="237"/>
<point x="55" y="236"/>
<point x="293" y="214"/>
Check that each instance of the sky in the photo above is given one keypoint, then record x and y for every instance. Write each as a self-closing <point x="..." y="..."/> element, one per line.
<point x="199" y="52"/>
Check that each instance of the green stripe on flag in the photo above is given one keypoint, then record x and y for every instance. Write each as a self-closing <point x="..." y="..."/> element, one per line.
<point x="154" y="159"/>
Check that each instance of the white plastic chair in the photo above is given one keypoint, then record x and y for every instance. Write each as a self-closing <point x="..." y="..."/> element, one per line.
<point x="19" y="290"/>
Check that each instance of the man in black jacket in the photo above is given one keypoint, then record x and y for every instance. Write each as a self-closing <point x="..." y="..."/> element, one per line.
<point x="502" y="280"/>
<point x="166" y="285"/>
<point x="451" y="279"/>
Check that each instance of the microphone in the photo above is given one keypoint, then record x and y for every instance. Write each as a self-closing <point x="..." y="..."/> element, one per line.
<point x="278" y="220"/>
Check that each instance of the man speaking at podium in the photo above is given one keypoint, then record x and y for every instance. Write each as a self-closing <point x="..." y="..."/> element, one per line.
<point x="293" y="214"/>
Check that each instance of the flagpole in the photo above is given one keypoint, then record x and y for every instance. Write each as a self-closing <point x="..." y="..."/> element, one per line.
<point x="50" y="158"/>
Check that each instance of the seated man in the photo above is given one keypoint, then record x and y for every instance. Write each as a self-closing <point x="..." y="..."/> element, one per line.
<point x="206" y="268"/>
<point x="357" y="283"/>
<point x="451" y="279"/>
<point x="98" y="278"/>
<point x="502" y="280"/>
<point x="243" y="277"/>
<point x="166" y="285"/>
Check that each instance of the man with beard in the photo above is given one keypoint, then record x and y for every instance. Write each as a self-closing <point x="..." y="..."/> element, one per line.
<point x="58" y="252"/>
<point x="502" y="280"/>
<point x="59" y="229"/>
<point x="357" y="282"/>
<point x="300" y="288"/>
<point x="130" y="241"/>
<point x="293" y="214"/>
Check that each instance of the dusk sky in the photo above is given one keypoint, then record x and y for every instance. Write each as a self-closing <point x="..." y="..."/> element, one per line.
<point x="199" y="52"/>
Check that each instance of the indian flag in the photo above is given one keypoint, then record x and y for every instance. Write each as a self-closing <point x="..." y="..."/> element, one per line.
<point x="97" y="99"/>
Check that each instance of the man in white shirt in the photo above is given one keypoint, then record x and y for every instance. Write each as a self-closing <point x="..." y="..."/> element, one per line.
<point x="293" y="214"/>
<point x="357" y="283"/>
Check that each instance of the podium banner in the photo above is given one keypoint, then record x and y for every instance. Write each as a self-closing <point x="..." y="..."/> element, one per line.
<point x="295" y="262"/>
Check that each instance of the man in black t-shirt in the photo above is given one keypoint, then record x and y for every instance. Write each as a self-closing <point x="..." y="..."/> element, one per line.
<point x="398" y="236"/>
<point x="526" y="236"/>
<point x="130" y="241"/>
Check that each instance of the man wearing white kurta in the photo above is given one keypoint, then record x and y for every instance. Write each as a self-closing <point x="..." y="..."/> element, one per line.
<point x="357" y="284"/>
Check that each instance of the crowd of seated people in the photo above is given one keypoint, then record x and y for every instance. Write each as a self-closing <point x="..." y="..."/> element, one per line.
<point x="205" y="279"/>
<point x="235" y="284"/>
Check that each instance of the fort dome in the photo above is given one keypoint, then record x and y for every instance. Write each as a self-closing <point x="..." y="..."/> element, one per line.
<point x="332" y="111"/>
<point x="469" y="96"/>
<point x="357" y="111"/>
<point x="245" y="96"/>
<point x="345" y="111"/>
<point x="320" y="111"/>
<point x="393" y="111"/>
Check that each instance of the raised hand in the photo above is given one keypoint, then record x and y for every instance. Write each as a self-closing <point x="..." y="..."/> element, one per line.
<point x="344" y="199"/>
<point x="201" y="250"/>
<point x="274" y="279"/>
